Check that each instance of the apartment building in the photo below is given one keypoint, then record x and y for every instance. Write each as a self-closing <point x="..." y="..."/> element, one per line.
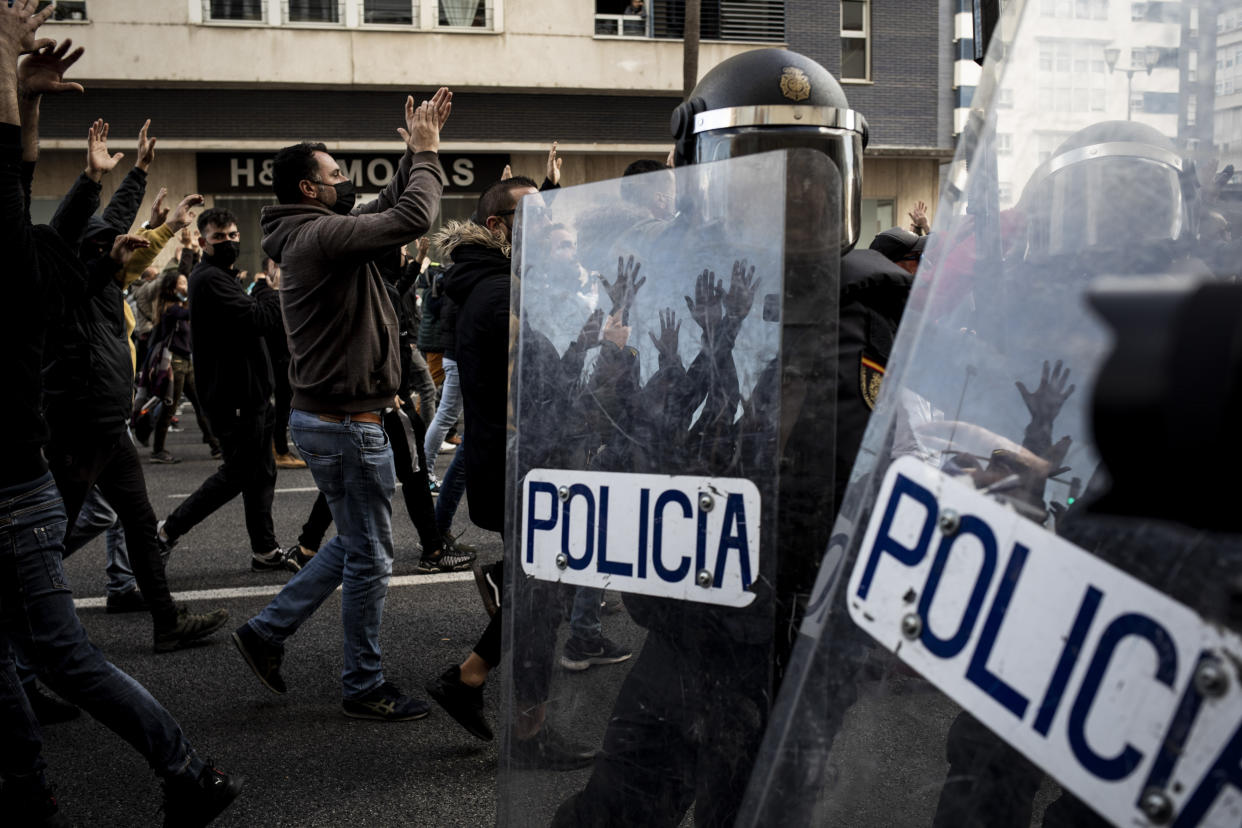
<point x="227" y="82"/>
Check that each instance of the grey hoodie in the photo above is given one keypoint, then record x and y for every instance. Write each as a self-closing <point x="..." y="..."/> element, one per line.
<point x="341" y="326"/>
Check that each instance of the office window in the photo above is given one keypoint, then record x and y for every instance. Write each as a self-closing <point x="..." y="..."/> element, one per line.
<point x="389" y="12"/>
<point x="238" y="10"/>
<point x="466" y="13"/>
<point x="313" y="11"/>
<point x="855" y="39"/>
<point x="74" y="10"/>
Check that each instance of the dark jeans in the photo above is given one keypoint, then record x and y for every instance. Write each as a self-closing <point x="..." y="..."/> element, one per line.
<point x="38" y="619"/>
<point x="414" y="489"/>
<point x="283" y="395"/>
<point x="684" y="730"/>
<point x="538" y="607"/>
<point x="248" y="469"/>
<point x="452" y="487"/>
<point x="111" y="464"/>
<point x="182" y="383"/>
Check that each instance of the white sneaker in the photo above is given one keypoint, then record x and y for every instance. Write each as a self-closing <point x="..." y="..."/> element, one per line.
<point x="446" y="448"/>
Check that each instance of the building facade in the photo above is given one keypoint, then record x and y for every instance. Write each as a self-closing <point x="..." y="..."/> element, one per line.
<point x="227" y="82"/>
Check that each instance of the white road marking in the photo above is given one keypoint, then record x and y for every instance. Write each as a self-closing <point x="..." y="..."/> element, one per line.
<point x="277" y="491"/>
<point x="272" y="589"/>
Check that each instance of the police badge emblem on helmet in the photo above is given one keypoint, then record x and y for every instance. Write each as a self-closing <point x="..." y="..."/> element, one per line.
<point x="795" y="85"/>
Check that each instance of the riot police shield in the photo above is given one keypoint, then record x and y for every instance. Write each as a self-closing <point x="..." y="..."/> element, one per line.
<point x="986" y="646"/>
<point x="670" y="466"/>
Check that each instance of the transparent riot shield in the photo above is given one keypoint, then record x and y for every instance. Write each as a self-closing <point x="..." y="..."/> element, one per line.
<point x="986" y="646"/>
<point x="670" y="466"/>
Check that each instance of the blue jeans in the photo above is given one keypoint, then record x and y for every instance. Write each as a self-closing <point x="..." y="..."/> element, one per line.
<point x="37" y="618"/>
<point x="353" y="467"/>
<point x="97" y="516"/>
<point x="447" y="413"/>
<point x="452" y="487"/>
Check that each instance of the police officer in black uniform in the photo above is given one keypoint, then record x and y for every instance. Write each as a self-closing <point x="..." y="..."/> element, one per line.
<point x="690" y="717"/>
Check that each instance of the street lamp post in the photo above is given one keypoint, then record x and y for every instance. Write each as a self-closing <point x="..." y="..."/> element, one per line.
<point x="1151" y="56"/>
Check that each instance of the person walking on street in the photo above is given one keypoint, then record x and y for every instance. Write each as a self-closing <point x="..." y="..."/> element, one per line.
<point x="345" y="368"/>
<point x="37" y="615"/>
<point x="234" y="374"/>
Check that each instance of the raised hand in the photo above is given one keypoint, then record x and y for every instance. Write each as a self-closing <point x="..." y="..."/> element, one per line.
<point x="622" y="291"/>
<point x="98" y="161"/>
<point x="18" y="24"/>
<point x="705" y="308"/>
<point x="666" y="343"/>
<point x="146" y="148"/>
<point x="741" y="295"/>
<point x="1046" y="401"/>
<point x="554" y="166"/>
<point x="615" y="330"/>
<point x="588" y="337"/>
<point x="158" y="211"/>
<point x="124" y="245"/>
<point x="442" y="103"/>
<point x="423" y="122"/>
<point x="184" y="214"/>
<point x="43" y="72"/>
<point x="918" y="219"/>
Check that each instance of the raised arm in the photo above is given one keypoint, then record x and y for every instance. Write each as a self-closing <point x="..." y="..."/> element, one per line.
<point x="363" y="237"/>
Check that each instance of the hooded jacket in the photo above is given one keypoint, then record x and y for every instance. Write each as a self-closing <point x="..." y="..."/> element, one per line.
<point x="479" y="283"/>
<point x="342" y="328"/>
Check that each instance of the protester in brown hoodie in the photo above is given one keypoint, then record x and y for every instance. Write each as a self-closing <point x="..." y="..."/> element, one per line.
<point x="344" y="369"/>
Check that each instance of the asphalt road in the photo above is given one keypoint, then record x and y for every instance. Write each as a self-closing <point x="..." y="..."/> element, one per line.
<point x="308" y="765"/>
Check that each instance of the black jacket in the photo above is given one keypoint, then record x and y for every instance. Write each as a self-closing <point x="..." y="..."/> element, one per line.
<point x="479" y="283"/>
<point x="88" y="372"/>
<point x="231" y="365"/>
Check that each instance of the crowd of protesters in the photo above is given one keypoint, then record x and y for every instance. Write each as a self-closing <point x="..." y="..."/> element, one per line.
<point x="345" y="340"/>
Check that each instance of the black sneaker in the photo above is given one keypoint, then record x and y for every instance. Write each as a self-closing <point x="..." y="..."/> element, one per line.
<point x="298" y="556"/>
<point x="189" y="629"/>
<point x="579" y="654"/>
<point x="273" y="561"/>
<point x="263" y="658"/>
<point x="461" y="701"/>
<point x="129" y="601"/>
<point x="28" y="800"/>
<point x="452" y="544"/>
<point x="488" y="578"/>
<point x="549" y="750"/>
<point x="165" y="457"/>
<point x="48" y="709"/>
<point x="193" y="803"/>
<point x="386" y="703"/>
<point x="446" y="561"/>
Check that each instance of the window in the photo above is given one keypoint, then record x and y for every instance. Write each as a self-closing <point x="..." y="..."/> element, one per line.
<point x="74" y="10"/>
<point x="389" y="12"/>
<point x="1004" y="98"/>
<point x="313" y="11"/>
<point x="855" y="37"/>
<point x="466" y="13"/>
<point x="239" y="10"/>
<point x="1004" y="143"/>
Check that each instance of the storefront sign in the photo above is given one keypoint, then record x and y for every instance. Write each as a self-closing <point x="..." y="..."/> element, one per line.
<point x="236" y="173"/>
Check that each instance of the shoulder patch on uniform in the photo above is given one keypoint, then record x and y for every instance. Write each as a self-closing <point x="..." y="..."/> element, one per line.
<point x="870" y="376"/>
<point x="795" y="85"/>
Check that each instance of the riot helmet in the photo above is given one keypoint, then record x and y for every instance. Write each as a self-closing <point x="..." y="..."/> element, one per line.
<point x="774" y="99"/>
<point x="1112" y="186"/>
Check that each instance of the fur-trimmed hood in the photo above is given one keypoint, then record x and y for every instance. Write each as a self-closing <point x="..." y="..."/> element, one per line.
<point x="456" y="233"/>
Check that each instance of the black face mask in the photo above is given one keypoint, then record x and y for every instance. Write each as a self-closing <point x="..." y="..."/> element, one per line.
<point x="345" y="197"/>
<point x="224" y="253"/>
